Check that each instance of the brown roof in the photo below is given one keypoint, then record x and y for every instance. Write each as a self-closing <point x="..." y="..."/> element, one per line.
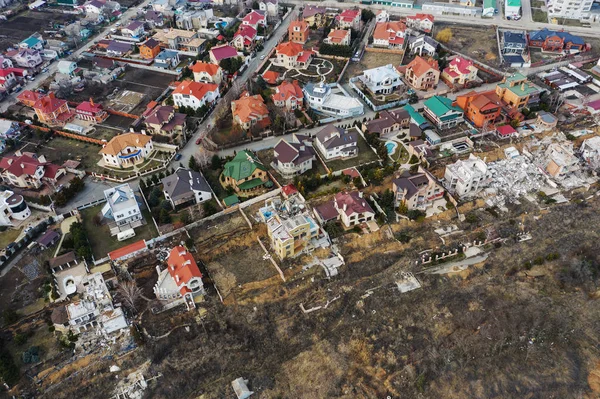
<point x="250" y="107"/>
<point x="420" y="65"/>
<point x="59" y="316"/>
<point x="62" y="259"/>
<point x="118" y="143"/>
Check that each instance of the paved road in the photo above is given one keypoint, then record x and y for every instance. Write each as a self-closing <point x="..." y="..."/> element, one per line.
<point x="191" y="148"/>
<point x="526" y="11"/>
<point x="523" y="23"/>
<point x="11" y="99"/>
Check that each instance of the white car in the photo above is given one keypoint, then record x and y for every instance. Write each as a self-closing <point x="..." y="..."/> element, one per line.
<point x="262" y="57"/>
<point x="118" y="24"/>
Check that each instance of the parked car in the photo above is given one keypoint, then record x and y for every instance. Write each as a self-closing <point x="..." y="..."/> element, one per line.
<point x="177" y="157"/>
<point x="262" y="57"/>
<point x="198" y="140"/>
<point x="44" y="70"/>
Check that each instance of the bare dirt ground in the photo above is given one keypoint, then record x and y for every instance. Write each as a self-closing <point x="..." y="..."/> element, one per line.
<point x="478" y="42"/>
<point x="373" y="60"/>
<point x="26" y="23"/>
<point x="523" y="324"/>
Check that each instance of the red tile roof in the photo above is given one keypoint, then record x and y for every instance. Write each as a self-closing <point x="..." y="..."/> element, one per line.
<point x="289" y="190"/>
<point x="421" y="65"/>
<point x="246" y="31"/>
<point x="270" y="77"/>
<point x="291" y="49"/>
<point x="90" y="106"/>
<point x="127" y="250"/>
<point x="209" y="68"/>
<point x="354" y="203"/>
<point x="349" y="15"/>
<point x="421" y="17"/>
<point x="461" y="65"/>
<point x="254" y="17"/>
<point x="223" y="52"/>
<point x="26" y="164"/>
<point x="287" y="90"/>
<point x="48" y="104"/>
<point x="182" y="267"/>
<point x="388" y="30"/>
<point x="250" y="107"/>
<point x="195" y="89"/>
<point x="28" y="96"/>
<point x="506" y="130"/>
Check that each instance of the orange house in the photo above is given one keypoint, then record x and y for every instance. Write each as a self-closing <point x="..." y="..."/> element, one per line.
<point x="483" y="109"/>
<point x="298" y="32"/>
<point x="150" y="49"/>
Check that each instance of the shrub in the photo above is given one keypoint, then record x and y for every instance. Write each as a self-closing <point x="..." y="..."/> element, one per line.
<point x="444" y="36"/>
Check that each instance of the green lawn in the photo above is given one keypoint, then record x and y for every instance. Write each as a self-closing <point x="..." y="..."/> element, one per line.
<point x="60" y="149"/>
<point x="99" y="236"/>
<point x="8" y="236"/>
<point x="539" y="15"/>
<point x="365" y="155"/>
<point x="401" y="155"/>
<point x="212" y="177"/>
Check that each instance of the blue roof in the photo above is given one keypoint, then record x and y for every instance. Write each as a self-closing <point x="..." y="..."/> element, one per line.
<point x="166" y="54"/>
<point x="566" y="36"/>
<point x="31" y="41"/>
<point x="514" y="37"/>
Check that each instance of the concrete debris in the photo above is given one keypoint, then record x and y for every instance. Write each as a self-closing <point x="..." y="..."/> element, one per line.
<point x="407" y="282"/>
<point x="114" y="368"/>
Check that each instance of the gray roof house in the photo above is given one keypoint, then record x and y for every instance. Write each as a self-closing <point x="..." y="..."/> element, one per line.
<point x="334" y="142"/>
<point x="423" y="45"/>
<point x="186" y="187"/>
<point x="294" y="157"/>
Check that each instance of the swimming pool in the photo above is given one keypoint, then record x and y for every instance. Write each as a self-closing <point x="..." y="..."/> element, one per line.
<point x="391" y="147"/>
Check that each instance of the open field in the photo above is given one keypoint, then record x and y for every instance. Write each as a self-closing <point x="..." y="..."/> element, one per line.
<point x="23" y="25"/>
<point x="372" y="60"/>
<point x="60" y="149"/>
<point x="365" y="155"/>
<point x="478" y="42"/>
<point x="539" y="15"/>
<point x="9" y="235"/>
<point x="99" y="236"/>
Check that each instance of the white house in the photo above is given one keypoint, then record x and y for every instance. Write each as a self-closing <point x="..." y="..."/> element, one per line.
<point x="334" y="142"/>
<point x="28" y="58"/>
<point x="12" y="208"/>
<point x="295" y="157"/>
<point x="195" y="94"/>
<point x="122" y="209"/>
<point x="186" y="187"/>
<point x="134" y="29"/>
<point x="590" y="151"/>
<point x="466" y="177"/>
<point x="270" y="7"/>
<point x="127" y="149"/>
<point x="349" y="207"/>
<point x="321" y="98"/>
<point x="423" y="45"/>
<point x="420" y="22"/>
<point x="512" y="8"/>
<point x="382" y="80"/>
<point x="181" y="280"/>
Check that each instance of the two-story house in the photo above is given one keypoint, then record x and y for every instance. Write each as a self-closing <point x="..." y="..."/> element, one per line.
<point x="443" y="112"/>
<point x="294" y="157"/>
<point x="291" y="55"/>
<point x="163" y="120"/>
<point x="416" y="190"/>
<point x="298" y="32"/>
<point x="127" y="149"/>
<point x="422" y="74"/>
<point x="249" y="111"/>
<point x="270" y="8"/>
<point x="351" y="208"/>
<point x="244" y="38"/>
<point x="516" y="91"/>
<point x="207" y="72"/>
<point x="290" y="235"/>
<point x="185" y="187"/>
<point x="388" y="122"/>
<point x="181" y="280"/>
<point x="333" y="142"/>
<point x="245" y="174"/>
<point x="122" y="208"/>
<point x="28" y="170"/>
<point x="338" y="37"/>
<point x="389" y="35"/>
<point x="149" y="49"/>
<point x="288" y="95"/>
<point x="483" y="109"/>
<point x="420" y="22"/>
<point x="91" y="111"/>
<point x="349" y="19"/>
<point x="466" y="177"/>
<point x="459" y="71"/>
<point x="195" y="94"/>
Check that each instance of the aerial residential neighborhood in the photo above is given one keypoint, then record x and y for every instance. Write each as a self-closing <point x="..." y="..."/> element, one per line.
<point x="291" y="199"/>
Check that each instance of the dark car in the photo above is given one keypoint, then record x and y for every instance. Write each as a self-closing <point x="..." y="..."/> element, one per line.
<point x="199" y="140"/>
<point x="177" y="157"/>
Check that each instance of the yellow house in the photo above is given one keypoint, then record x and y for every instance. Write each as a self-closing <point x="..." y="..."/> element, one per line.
<point x="290" y="236"/>
<point x="516" y="91"/>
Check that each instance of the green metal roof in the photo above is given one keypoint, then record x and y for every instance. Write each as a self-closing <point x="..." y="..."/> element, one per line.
<point x="414" y="115"/>
<point x="489" y="3"/>
<point x="440" y="106"/>
<point x="242" y="166"/>
<point x="513" y="3"/>
<point x="250" y="184"/>
<point x="516" y="77"/>
<point x="231" y="200"/>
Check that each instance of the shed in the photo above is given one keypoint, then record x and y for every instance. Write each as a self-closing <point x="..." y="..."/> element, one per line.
<point x="48" y="239"/>
<point x="432" y="137"/>
<point x="240" y="387"/>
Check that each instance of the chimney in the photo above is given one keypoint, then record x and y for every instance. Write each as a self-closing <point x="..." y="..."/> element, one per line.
<point x="51" y="94"/>
<point x="345" y="206"/>
<point x="131" y="130"/>
<point x="360" y="194"/>
<point x="91" y="101"/>
<point x="158" y="270"/>
<point x="177" y="278"/>
<point x="182" y="252"/>
<point x="143" y="131"/>
<point x="523" y="86"/>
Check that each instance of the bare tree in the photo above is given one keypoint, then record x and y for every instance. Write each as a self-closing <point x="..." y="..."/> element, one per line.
<point x="131" y="294"/>
<point x="203" y="157"/>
